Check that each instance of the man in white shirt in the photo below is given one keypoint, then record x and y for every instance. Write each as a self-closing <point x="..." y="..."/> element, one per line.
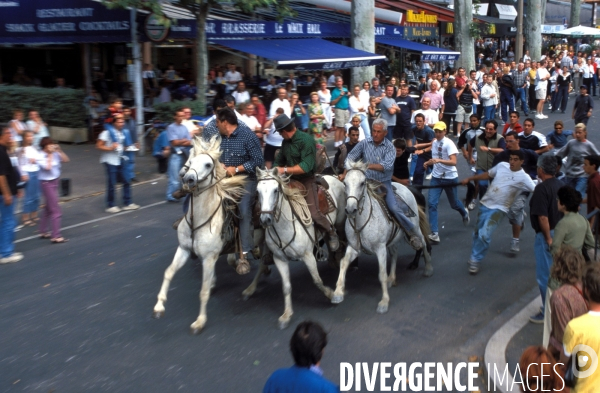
<point x="187" y="121"/>
<point x="240" y="94"/>
<point x="541" y="88"/>
<point x="431" y="116"/>
<point x="232" y="77"/>
<point x="251" y="121"/>
<point x="273" y="139"/>
<point x="510" y="180"/>
<point x="489" y="99"/>
<point x="444" y="153"/>
<point x="333" y="77"/>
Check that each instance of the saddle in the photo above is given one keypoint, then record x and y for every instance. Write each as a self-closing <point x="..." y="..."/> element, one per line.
<point x="325" y="201"/>
<point x="379" y="191"/>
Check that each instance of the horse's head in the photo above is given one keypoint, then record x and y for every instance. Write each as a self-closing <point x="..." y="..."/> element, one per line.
<point x="355" y="183"/>
<point x="269" y="193"/>
<point x="203" y="164"/>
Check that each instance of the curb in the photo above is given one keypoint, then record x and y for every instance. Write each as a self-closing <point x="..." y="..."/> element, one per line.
<point x="495" y="350"/>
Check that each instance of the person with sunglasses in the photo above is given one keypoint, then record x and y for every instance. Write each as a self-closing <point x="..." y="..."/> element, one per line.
<point x="559" y="137"/>
<point x="443" y="161"/>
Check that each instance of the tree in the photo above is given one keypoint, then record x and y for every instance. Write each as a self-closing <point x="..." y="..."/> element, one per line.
<point x="575" y="10"/>
<point x="533" y="30"/>
<point x="363" y="38"/>
<point x="200" y="9"/>
<point x="463" y="37"/>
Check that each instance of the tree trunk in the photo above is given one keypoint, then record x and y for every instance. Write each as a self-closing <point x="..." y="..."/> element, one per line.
<point x="575" y="10"/>
<point x="533" y="32"/>
<point x="362" y="35"/>
<point x="465" y="44"/>
<point x="201" y="57"/>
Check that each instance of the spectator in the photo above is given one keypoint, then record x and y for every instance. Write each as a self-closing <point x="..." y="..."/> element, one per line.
<point x="240" y="94"/>
<point x="563" y="85"/>
<point x="247" y="110"/>
<point x="50" y="162"/>
<point x="39" y="128"/>
<point x="584" y="105"/>
<point x="317" y="119"/>
<point x="355" y="122"/>
<point x="513" y="124"/>
<point x="376" y="91"/>
<point x="584" y="330"/>
<point x="401" y="172"/>
<point x="339" y="98"/>
<point x="435" y="98"/>
<point x="232" y="77"/>
<point x="444" y="174"/>
<point x="541" y="87"/>
<point x="307" y="346"/>
<point x="150" y="84"/>
<point x="345" y="149"/>
<point x="520" y="83"/>
<point x="9" y="178"/>
<point x="407" y="107"/>
<point x="165" y="94"/>
<point x="573" y="229"/>
<point x="135" y="146"/>
<point x="482" y="151"/>
<point x="558" y="138"/>
<point x="507" y="94"/>
<point x="298" y="112"/>
<point x="532" y="140"/>
<point x="489" y="98"/>
<point x="509" y="180"/>
<point x="389" y="109"/>
<point x="424" y="137"/>
<point x="358" y="107"/>
<point x="260" y="112"/>
<point x="450" y="107"/>
<point x="17" y="126"/>
<point x="591" y="164"/>
<point x="565" y="295"/>
<point x="29" y="168"/>
<point x="575" y="150"/>
<point x="180" y="141"/>
<point x="113" y="142"/>
<point x="431" y="116"/>
<point x="540" y="371"/>
<point x="544" y="217"/>
<point x="325" y="100"/>
<point x="161" y="150"/>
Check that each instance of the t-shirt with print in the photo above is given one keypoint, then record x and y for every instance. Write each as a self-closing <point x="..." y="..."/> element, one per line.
<point x="407" y="106"/>
<point x="505" y="187"/>
<point x="543" y="203"/>
<point x="533" y="141"/>
<point x="442" y="150"/>
<point x="584" y="330"/>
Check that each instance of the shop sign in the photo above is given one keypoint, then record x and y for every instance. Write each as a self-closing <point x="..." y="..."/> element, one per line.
<point x="420" y="32"/>
<point x="439" y="57"/>
<point x="420" y="17"/>
<point x="154" y="29"/>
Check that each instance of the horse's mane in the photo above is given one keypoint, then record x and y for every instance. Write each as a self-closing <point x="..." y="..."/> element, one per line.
<point x="291" y="193"/>
<point x="363" y="167"/>
<point x="231" y="188"/>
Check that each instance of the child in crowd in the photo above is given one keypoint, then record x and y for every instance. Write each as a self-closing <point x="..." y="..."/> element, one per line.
<point x="403" y="152"/>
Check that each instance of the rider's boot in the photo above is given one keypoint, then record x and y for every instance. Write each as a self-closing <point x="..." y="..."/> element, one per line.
<point x="176" y="223"/>
<point x="333" y="243"/>
<point x="415" y="241"/>
<point x="180" y="193"/>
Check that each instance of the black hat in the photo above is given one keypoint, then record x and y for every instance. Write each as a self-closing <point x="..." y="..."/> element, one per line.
<point x="281" y="122"/>
<point x="582" y="87"/>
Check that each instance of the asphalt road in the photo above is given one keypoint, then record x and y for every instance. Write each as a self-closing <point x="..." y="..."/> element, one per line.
<point x="77" y="317"/>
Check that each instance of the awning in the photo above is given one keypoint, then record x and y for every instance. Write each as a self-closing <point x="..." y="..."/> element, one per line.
<point x="429" y="53"/>
<point x="304" y="54"/>
<point x="506" y="11"/>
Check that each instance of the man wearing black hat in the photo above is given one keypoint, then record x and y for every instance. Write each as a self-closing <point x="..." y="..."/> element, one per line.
<point x="297" y="159"/>
<point x="582" y="110"/>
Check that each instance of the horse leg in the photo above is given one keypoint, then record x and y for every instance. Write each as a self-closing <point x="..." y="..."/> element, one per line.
<point x="311" y="264"/>
<point x="381" y="253"/>
<point x="262" y="269"/>
<point x="338" y="295"/>
<point x="428" y="267"/>
<point x="231" y="260"/>
<point x="208" y="271"/>
<point x="415" y="263"/>
<point x="393" y="252"/>
<point x="284" y="271"/>
<point x="180" y="258"/>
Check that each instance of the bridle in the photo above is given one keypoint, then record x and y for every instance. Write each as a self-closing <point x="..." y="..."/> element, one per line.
<point x="276" y="212"/>
<point x="360" y="206"/>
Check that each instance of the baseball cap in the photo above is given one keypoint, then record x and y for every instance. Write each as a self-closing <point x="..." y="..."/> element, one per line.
<point x="440" y="125"/>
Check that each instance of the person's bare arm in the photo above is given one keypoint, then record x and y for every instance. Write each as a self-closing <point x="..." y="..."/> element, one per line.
<point x="545" y="229"/>
<point x="6" y="194"/>
<point x="481" y="176"/>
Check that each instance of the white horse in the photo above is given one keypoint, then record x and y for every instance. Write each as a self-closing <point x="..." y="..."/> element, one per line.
<point x="200" y="231"/>
<point x="368" y="229"/>
<point x="286" y="235"/>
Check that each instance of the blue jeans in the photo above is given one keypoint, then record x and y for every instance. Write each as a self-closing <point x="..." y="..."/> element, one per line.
<point x="543" y="263"/>
<point x="562" y="98"/>
<point x="489" y="113"/>
<point x="114" y="174"/>
<point x="130" y="164"/>
<point x="419" y="170"/>
<point x="7" y="227"/>
<point x="389" y="135"/>
<point x="483" y="184"/>
<point x="32" y="193"/>
<point x="578" y="183"/>
<point x="506" y="100"/>
<point x="434" y="198"/>
<point x="175" y="164"/>
<point x="487" y="222"/>
<point x="364" y="123"/>
<point x="246" y="207"/>
<point x="396" y="210"/>
<point x="521" y="96"/>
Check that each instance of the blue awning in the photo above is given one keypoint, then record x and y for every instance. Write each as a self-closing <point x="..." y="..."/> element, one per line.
<point x="304" y="54"/>
<point x="428" y="53"/>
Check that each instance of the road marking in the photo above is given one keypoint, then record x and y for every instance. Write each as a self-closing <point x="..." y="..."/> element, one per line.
<point x="96" y="220"/>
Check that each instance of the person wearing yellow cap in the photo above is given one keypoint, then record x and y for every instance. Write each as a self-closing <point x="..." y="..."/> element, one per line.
<point x="443" y="161"/>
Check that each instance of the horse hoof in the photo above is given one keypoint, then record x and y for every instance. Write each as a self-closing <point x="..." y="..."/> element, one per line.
<point x="382" y="309"/>
<point x="267" y="271"/>
<point x="337" y="299"/>
<point x="195" y="331"/>
<point x="283" y="324"/>
<point x="158" y="314"/>
<point x="245" y="298"/>
<point x="412" y="266"/>
<point x="428" y="272"/>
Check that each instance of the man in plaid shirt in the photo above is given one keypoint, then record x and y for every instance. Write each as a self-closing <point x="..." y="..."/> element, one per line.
<point x="520" y="83"/>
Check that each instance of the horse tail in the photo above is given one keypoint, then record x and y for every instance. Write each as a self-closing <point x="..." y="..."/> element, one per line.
<point x="423" y="223"/>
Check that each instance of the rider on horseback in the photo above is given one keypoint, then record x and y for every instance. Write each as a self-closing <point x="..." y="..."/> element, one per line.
<point x="297" y="159"/>
<point x="379" y="153"/>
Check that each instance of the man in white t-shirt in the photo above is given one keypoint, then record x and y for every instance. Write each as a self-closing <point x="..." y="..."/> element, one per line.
<point x="541" y="88"/>
<point x="510" y="180"/>
<point x="232" y="77"/>
<point x="273" y="139"/>
<point x="251" y="121"/>
<point x="444" y="153"/>
<point x="431" y="116"/>
<point x="240" y="94"/>
<point x="187" y="121"/>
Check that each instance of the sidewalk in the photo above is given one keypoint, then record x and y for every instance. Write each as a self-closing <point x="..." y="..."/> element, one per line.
<point x="88" y="175"/>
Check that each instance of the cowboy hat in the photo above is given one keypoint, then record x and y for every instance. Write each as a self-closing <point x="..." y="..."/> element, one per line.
<point x="281" y="122"/>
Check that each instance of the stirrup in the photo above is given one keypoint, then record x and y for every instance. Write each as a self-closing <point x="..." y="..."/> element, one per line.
<point x="333" y="243"/>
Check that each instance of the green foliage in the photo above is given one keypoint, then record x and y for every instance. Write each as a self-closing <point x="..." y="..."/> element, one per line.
<point x="58" y="107"/>
<point x="166" y="111"/>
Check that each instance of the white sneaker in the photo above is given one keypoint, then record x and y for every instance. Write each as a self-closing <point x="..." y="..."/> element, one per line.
<point x="131" y="206"/>
<point x="434" y="237"/>
<point x="472" y="204"/>
<point x="428" y="177"/>
<point x="410" y="158"/>
<point x="514" y="245"/>
<point x="545" y="116"/>
<point x="539" y="117"/>
<point x="114" y="209"/>
<point x="15" y="257"/>
<point x="467" y="219"/>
